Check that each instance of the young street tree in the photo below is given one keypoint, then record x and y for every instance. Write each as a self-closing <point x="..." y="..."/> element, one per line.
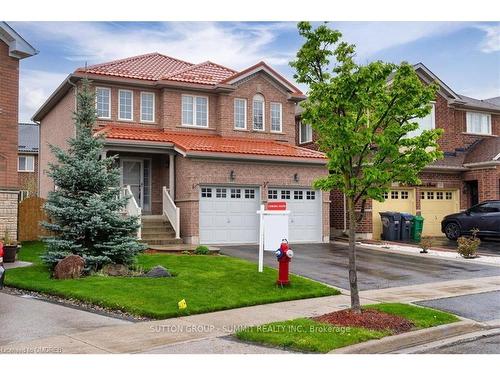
<point x="85" y="210"/>
<point x="362" y="115"/>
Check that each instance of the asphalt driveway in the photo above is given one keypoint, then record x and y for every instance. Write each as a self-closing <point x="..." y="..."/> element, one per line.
<point x="376" y="269"/>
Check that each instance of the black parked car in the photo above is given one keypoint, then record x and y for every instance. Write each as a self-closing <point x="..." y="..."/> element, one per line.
<point x="484" y="216"/>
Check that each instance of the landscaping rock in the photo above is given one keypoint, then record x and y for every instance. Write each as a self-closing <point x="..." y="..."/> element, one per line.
<point x="116" y="270"/>
<point x="70" y="267"/>
<point x="158" y="271"/>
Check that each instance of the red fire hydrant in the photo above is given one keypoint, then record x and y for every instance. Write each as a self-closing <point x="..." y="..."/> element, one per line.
<point x="284" y="255"/>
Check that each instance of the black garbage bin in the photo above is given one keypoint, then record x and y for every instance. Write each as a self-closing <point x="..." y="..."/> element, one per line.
<point x="406" y="223"/>
<point x="391" y="222"/>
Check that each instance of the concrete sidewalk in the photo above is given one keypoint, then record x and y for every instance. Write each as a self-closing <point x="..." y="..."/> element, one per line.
<point x="151" y="335"/>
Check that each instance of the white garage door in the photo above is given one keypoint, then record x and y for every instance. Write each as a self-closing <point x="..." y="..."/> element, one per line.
<point x="229" y="214"/>
<point x="305" y="223"/>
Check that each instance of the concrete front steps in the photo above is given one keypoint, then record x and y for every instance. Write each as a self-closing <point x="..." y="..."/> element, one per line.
<point x="157" y="231"/>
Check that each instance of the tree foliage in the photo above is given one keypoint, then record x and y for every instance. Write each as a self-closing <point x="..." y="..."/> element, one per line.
<point x="86" y="211"/>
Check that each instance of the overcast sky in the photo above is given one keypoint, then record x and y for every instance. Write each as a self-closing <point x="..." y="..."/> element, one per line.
<point x="465" y="55"/>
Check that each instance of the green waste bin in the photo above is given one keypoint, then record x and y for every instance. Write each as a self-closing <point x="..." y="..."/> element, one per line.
<point x="417" y="227"/>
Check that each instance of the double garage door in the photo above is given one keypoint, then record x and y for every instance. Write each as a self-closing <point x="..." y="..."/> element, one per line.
<point x="228" y="214"/>
<point x="434" y="206"/>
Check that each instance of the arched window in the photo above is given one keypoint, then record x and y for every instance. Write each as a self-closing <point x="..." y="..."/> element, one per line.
<point x="258" y="112"/>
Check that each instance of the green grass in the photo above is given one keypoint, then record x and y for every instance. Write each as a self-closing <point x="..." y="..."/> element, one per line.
<point x="307" y="335"/>
<point x="311" y="336"/>
<point x="207" y="283"/>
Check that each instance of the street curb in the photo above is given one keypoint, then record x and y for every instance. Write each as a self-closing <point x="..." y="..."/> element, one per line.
<point x="411" y="339"/>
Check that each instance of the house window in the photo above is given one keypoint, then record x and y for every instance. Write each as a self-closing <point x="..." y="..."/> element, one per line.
<point x="103" y="102"/>
<point x="147" y="107"/>
<point x="125" y="105"/>
<point x="276" y="122"/>
<point x="424" y="123"/>
<point x="195" y="111"/>
<point x="220" y="193"/>
<point x="478" y="123"/>
<point x="235" y="193"/>
<point x="240" y="113"/>
<point x="23" y="194"/>
<point x="249" y="193"/>
<point x="26" y="163"/>
<point x="206" y="192"/>
<point x="310" y="195"/>
<point x="285" y="194"/>
<point x="305" y="133"/>
<point x="272" y="194"/>
<point x="258" y="112"/>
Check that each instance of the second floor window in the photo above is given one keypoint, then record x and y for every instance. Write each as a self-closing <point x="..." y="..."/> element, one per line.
<point x="305" y="133"/>
<point x="103" y="102"/>
<point x="258" y="112"/>
<point x="478" y="123"/>
<point x="147" y="106"/>
<point x="26" y="163"/>
<point x="424" y="123"/>
<point x="125" y="105"/>
<point x="240" y="113"/>
<point x="276" y="117"/>
<point x="195" y="110"/>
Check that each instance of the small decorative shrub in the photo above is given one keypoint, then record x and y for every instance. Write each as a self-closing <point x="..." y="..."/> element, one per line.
<point x="467" y="246"/>
<point x="425" y="244"/>
<point x="186" y="252"/>
<point x="202" y="250"/>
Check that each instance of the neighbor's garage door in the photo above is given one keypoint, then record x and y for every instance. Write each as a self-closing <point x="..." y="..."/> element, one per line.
<point x="229" y="215"/>
<point x="305" y="222"/>
<point x="434" y="205"/>
<point x="397" y="200"/>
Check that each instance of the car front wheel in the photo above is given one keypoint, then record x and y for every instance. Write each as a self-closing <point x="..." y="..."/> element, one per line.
<point x="452" y="231"/>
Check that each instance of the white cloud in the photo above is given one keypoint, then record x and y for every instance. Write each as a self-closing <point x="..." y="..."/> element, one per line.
<point x="35" y="86"/>
<point x="491" y="42"/>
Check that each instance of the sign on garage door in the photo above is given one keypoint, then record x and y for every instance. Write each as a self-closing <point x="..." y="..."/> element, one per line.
<point x="305" y="220"/>
<point x="434" y="206"/>
<point x="228" y="214"/>
<point x="400" y="200"/>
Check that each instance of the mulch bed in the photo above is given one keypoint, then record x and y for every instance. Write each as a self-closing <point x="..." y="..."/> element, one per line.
<point x="370" y="319"/>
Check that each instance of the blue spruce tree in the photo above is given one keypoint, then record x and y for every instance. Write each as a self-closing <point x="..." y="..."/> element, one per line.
<point x="86" y="211"/>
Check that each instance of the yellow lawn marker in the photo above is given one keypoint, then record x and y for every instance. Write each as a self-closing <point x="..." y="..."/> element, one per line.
<point x="182" y="304"/>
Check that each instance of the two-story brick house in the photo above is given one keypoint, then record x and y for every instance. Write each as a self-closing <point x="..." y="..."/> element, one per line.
<point x="202" y="144"/>
<point x="12" y="49"/>
<point x="468" y="173"/>
<point x="27" y="160"/>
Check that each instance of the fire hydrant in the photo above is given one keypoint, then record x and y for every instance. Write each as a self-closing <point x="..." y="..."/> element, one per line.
<point x="284" y="255"/>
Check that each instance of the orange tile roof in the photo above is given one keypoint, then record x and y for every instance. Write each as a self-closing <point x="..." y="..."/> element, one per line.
<point x="206" y="73"/>
<point x="189" y="142"/>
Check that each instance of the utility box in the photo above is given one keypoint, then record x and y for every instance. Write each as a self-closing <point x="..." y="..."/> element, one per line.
<point x="391" y="222"/>
<point x="406" y="224"/>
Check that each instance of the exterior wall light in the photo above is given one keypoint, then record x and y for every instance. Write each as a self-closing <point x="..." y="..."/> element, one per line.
<point x="296" y="177"/>
<point x="232" y="176"/>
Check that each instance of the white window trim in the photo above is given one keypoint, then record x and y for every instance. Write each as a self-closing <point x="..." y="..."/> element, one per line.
<point x="32" y="163"/>
<point x="193" y="125"/>
<point x="234" y="113"/>
<point x="271" y="117"/>
<point x="300" y="134"/>
<point x="109" y="101"/>
<point x="263" y="114"/>
<point x="154" y="107"/>
<point x="488" y="115"/>
<point x="132" y="106"/>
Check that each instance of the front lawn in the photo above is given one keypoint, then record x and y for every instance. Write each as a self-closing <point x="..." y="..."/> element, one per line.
<point x="309" y="335"/>
<point x="207" y="283"/>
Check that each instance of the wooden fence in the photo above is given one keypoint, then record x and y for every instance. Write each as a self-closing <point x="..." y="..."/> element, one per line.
<point x="30" y="214"/>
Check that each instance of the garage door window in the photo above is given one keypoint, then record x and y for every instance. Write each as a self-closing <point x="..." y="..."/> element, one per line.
<point x="285" y="194"/>
<point x="404" y="195"/>
<point x="385" y="195"/>
<point x="449" y="195"/>
<point x="439" y="195"/>
<point x="422" y="195"/>
<point x="235" y="193"/>
<point x="272" y="194"/>
<point x="206" y="192"/>
<point x="249" y="193"/>
<point x="394" y="194"/>
<point x="220" y="193"/>
<point x="311" y="195"/>
<point x="298" y="194"/>
<point x="430" y="195"/>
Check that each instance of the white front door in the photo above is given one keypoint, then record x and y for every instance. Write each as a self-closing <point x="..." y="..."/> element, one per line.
<point x="228" y="214"/>
<point x="136" y="174"/>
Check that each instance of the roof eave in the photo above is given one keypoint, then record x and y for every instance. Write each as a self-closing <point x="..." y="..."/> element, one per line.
<point x="462" y="105"/>
<point x="19" y="48"/>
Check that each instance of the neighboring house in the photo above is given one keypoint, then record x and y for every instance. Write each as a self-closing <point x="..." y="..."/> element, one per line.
<point x="27" y="160"/>
<point x="12" y="49"/>
<point x="468" y="173"/>
<point x="198" y="143"/>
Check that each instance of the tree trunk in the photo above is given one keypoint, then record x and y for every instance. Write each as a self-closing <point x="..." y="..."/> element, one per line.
<point x="353" y="275"/>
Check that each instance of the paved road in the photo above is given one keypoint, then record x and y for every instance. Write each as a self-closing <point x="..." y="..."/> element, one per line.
<point x="26" y="318"/>
<point x="480" y="307"/>
<point x="376" y="269"/>
<point x="484" y="345"/>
